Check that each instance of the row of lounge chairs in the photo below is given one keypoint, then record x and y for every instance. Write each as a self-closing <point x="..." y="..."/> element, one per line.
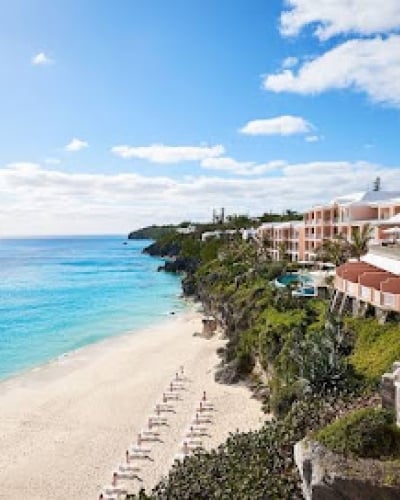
<point x="139" y="452"/>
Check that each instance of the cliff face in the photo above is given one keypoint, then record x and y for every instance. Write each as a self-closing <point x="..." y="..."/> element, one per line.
<point x="168" y="249"/>
<point x="328" y="476"/>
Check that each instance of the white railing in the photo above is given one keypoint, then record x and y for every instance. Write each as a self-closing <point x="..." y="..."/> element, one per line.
<point x="352" y="289"/>
<point x="388" y="299"/>
<point x="365" y="292"/>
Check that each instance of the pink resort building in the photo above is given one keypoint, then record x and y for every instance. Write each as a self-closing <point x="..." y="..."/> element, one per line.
<point x="372" y="282"/>
<point x="300" y="240"/>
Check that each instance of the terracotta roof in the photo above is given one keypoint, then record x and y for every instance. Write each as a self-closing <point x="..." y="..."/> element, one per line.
<point x="369" y="276"/>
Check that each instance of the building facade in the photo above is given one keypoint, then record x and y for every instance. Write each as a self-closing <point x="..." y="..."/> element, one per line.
<point x="300" y="240"/>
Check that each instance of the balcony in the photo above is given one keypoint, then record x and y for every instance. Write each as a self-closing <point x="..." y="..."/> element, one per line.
<point x="389" y="300"/>
<point x="366" y="293"/>
<point x="369" y="284"/>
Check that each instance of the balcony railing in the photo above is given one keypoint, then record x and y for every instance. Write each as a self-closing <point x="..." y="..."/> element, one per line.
<point x="388" y="299"/>
<point x="365" y="292"/>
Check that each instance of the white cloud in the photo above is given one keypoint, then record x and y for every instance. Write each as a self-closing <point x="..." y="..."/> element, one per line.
<point x="159" y="153"/>
<point x="247" y="168"/>
<point x="289" y="62"/>
<point x="41" y="59"/>
<point x="35" y="200"/>
<point x="280" y="125"/>
<point x="367" y="65"/>
<point x="313" y="138"/>
<point x="336" y="17"/>
<point x="76" y="145"/>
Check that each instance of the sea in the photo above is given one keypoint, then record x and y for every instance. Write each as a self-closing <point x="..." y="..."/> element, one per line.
<point x="60" y="294"/>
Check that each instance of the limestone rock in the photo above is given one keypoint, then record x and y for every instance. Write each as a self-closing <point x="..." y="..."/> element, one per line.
<point x="328" y="476"/>
<point x="228" y="374"/>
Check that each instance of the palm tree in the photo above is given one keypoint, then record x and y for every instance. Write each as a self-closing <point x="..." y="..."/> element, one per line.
<point x="360" y="238"/>
<point x="333" y="251"/>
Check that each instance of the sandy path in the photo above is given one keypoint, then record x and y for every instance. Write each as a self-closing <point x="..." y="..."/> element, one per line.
<point x="64" y="427"/>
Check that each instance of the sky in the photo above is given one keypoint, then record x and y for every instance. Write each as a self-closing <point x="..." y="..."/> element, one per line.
<point x="115" y="115"/>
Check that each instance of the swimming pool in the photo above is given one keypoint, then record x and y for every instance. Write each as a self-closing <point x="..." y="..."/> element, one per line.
<point x="305" y="286"/>
<point x="289" y="278"/>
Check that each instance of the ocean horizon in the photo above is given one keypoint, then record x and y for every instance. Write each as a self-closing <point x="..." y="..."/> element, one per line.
<point x="61" y="293"/>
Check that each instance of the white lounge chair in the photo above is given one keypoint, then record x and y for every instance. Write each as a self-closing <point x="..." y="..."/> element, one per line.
<point x="138" y="448"/>
<point x="126" y="474"/>
<point x="157" y="420"/>
<point x="112" y="489"/>
<point x="192" y="432"/>
<point x="129" y="467"/>
<point x="109" y="496"/>
<point x="201" y="419"/>
<point x="149" y="434"/>
<point x="137" y="455"/>
<point x="170" y="396"/>
<point x="199" y="427"/>
<point x="176" y="386"/>
<point x="164" y="408"/>
<point x="205" y="407"/>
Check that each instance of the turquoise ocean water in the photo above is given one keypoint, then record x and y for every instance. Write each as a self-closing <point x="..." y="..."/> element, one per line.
<point x="57" y="295"/>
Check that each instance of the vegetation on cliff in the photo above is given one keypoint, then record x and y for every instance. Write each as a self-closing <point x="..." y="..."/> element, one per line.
<point x="151" y="232"/>
<point x="376" y="346"/>
<point x="365" y="433"/>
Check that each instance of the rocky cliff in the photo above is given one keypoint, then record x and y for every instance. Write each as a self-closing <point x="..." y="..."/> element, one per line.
<point x="329" y="476"/>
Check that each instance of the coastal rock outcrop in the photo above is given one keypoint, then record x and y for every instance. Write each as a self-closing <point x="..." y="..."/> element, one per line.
<point x="179" y="265"/>
<point x="169" y="249"/>
<point x="329" y="476"/>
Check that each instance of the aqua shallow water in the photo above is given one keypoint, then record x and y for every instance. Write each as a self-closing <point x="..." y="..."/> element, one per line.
<point x="57" y="295"/>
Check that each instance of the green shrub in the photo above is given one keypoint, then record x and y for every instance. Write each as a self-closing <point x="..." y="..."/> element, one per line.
<point x="273" y="270"/>
<point x="366" y="433"/>
<point x="245" y="363"/>
<point x="376" y="346"/>
<point x="283" y="397"/>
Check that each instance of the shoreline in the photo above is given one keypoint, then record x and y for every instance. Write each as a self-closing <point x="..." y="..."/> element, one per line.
<point x="187" y="305"/>
<point x="80" y="412"/>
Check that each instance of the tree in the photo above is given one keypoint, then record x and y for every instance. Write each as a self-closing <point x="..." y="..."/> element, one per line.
<point x="264" y="245"/>
<point x="360" y="238"/>
<point x="283" y="251"/>
<point x="334" y="251"/>
<point x="377" y="184"/>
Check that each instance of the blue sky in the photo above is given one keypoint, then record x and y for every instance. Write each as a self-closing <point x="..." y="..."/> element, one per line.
<point x="118" y="114"/>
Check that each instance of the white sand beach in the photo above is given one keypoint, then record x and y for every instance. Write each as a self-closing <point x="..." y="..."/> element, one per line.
<point x="64" y="427"/>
